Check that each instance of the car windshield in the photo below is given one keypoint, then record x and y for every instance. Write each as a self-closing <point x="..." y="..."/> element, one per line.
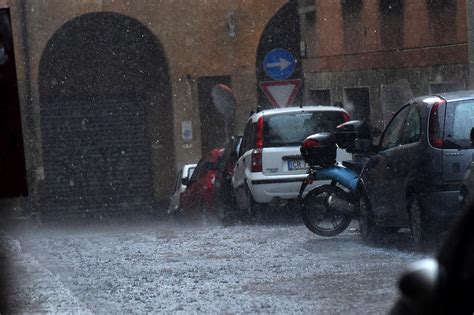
<point x="291" y="129"/>
<point x="113" y="114"/>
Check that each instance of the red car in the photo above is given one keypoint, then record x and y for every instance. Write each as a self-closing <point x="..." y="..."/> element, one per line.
<point x="199" y="195"/>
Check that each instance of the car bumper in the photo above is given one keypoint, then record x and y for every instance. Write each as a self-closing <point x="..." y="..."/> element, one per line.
<point x="266" y="189"/>
<point x="441" y="204"/>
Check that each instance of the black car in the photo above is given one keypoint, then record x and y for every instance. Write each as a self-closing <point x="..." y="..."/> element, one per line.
<point x="414" y="178"/>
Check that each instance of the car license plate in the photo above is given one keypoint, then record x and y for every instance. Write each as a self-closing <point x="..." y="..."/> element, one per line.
<point x="294" y="165"/>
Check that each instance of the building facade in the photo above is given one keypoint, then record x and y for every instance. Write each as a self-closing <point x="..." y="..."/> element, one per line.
<point x="113" y="93"/>
<point x="372" y="55"/>
<point x="113" y="96"/>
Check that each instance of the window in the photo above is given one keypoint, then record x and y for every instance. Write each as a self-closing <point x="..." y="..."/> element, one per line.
<point x="357" y="102"/>
<point x="391" y="136"/>
<point x="205" y="164"/>
<point x="412" y="130"/>
<point x="353" y="24"/>
<point x="445" y="11"/>
<point x="293" y="128"/>
<point x="463" y="120"/>
<point x="199" y="170"/>
<point x="459" y="122"/>
<point x="248" y="138"/>
<point x="391" y="23"/>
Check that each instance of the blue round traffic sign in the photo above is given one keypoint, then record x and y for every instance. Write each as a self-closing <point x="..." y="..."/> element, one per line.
<point x="279" y="64"/>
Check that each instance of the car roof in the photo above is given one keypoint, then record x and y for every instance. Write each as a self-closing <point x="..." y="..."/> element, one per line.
<point x="457" y="96"/>
<point x="449" y="97"/>
<point x="312" y="108"/>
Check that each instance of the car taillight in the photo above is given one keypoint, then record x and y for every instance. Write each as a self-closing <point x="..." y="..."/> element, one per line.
<point x="435" y="127"/>
<point x="346" y="116"/>
<point x="256" y="160"/>
<point x="310" y="143"/>
<point x="259" y="134"/>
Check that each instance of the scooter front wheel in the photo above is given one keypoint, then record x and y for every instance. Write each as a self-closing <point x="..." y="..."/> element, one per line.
<point x="319" y="217"/>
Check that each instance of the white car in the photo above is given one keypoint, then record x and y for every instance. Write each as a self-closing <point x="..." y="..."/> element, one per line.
<point x="270" y="168"/>
<point x="185" y="173"/>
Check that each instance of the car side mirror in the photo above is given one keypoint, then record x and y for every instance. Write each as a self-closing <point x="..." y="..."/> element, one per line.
<point x="186" y="181"/>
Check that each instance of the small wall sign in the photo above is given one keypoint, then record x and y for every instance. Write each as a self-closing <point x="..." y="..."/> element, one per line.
<point x="187" y="131"/>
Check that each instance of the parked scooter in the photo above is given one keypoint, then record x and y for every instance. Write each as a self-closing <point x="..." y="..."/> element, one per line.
<point x="328" y="209"/>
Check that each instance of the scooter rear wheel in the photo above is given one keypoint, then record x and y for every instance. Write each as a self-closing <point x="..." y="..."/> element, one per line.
<point x="319" y="217"/>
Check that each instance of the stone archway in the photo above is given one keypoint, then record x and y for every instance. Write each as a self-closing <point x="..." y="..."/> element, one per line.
<point x="105" y="98"/>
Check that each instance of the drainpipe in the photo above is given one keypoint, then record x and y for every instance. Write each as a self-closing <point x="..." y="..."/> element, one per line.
<point x="30" y="135"/>
<point x="26" y="54"/>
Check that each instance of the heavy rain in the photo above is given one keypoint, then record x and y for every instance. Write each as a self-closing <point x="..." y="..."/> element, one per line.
<point x="284" y="156"/>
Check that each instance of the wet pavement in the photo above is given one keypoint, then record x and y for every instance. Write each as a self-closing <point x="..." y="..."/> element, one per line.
<point x="163" y="267"/>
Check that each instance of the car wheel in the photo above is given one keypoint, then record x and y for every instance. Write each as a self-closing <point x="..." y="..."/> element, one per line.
<point x="365" y="218"/>
<point x="369" y="231"/>
<point x="419" y="228"/>
<point x="255" y="210"/>
<point x="232" y="214"/>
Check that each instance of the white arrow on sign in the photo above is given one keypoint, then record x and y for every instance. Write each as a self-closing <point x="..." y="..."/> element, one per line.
<point x="281" y="93"/>
<point x="282" y="64"/>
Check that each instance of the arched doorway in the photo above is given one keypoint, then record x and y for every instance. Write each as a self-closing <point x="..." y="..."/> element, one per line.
<point x="106" y="116"/>
<point x="282" y="31"/>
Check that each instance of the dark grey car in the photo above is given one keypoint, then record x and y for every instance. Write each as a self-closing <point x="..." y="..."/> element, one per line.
<point x="414" y="178"/>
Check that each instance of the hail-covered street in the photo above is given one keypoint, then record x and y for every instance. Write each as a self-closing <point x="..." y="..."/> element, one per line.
<point x="160" y="266"/>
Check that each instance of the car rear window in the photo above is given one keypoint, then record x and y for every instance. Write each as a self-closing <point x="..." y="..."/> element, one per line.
<point x="459" y="121"/>
<point x="290" y="129"/>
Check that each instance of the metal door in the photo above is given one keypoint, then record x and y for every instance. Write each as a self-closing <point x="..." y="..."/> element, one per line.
<point x="96" y="157"/>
